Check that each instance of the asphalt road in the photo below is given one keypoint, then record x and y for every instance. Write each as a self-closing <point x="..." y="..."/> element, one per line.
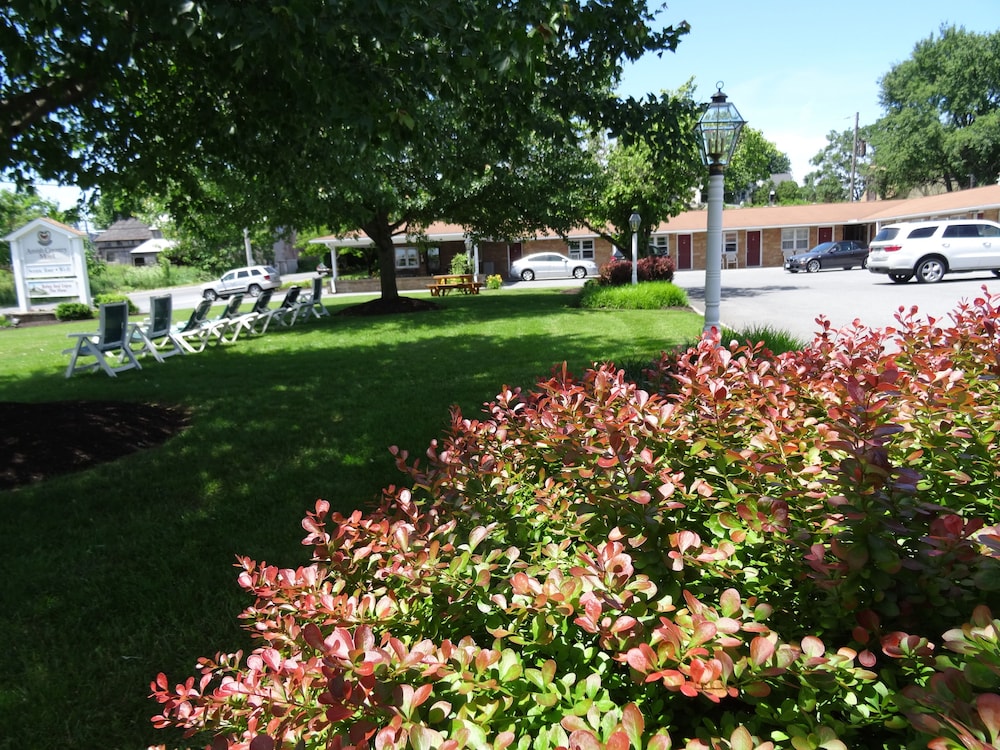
<point x="791" y="302"/>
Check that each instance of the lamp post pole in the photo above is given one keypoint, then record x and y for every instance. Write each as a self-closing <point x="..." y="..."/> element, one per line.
<point x="634" y="222"/>
<point x="718" y="130"/>
<point x="713" y="253"/>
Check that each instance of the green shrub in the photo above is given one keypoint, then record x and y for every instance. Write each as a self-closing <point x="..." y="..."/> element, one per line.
<point x="74" y="311"/>
<point x="787" y="551"/>
<point x="494" y="281"/>
<point x="776" y="340"/>
<point x="108" y="298"/>
<point x="8" y="295"/>
<point x="460" y="264"/>
<point x="653" y="295"/>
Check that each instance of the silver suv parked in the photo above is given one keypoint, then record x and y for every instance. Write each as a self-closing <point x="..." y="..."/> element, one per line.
<point x="930" y="249"/>
<point x="250" y="280"/>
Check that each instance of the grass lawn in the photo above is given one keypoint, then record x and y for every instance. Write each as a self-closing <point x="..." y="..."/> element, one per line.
<point x="116" y="573"/>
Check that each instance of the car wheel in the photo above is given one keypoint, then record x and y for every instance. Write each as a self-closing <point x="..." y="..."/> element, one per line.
<point x="210" y="295"/>
<point x="864" y="264"/>
<point x="527" y="275"/>
<point x="900" y="278"/>
<point x="812" y="266"/>
<point x="930" y="270"/>
<point x="254" y="290"/>
<point x="579" y="272"/>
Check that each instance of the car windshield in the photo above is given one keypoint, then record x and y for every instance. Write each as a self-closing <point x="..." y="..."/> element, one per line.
<point x="823" y="247"/>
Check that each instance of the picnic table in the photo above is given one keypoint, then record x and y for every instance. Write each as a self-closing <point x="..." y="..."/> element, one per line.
<point x="459" y="281"/>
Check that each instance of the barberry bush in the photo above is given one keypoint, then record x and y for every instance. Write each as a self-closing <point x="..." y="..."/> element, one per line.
<point x="649" y="268"/>
<point x="750" y="551"/>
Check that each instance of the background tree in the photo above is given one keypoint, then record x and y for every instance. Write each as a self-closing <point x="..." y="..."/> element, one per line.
<point x="831" y="182"/>
<point x="754" y="161"/>
<point x="19" y="208"/>
<point x="644" y="177"/>
<point x="942" y="121"/>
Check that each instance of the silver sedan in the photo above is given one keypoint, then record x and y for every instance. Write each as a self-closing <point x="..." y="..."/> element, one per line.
<point x="551" y="266"/>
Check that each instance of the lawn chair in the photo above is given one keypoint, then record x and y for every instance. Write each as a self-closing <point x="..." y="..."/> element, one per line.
<point x="284" y="315"/>
<point x="245" y="322"/>
<point x="221" y="322"/>
<point x="311" y="302"/>
<point x="192" y="336"/>
<point x="153" y="334"/>
<point x="112" y="337"/>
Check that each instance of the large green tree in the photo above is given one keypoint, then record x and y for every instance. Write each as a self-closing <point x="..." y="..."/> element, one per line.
<point x="754" y="161"/>
<point x="842" y="167"/>
<point x="942" y="121"/>
<point x="305" y="112"/>
<point x="650" y="176"/>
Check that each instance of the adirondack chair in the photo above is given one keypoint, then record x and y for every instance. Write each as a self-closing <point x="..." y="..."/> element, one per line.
<point x="311" y="302"/>
<point x="192" y="336"/>
<point x="153" y="334"/>
<point x="284" y="314"/>
<point x="230" y="332"/>
<point x="112" y="338"/>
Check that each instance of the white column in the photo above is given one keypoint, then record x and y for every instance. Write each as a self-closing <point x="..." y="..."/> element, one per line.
<point x="713" y="253"/>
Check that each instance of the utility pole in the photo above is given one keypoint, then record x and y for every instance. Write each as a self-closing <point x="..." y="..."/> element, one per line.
<point x="854" y="158"/>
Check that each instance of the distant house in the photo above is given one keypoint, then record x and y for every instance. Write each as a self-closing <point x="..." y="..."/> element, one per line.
<point x="754" y="236"/>
<point x="116" y="243"/>
<point x="148" y="253"/>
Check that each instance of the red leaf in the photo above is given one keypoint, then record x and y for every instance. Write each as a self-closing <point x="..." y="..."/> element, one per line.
<point x="262" y="742"/>
<point x="988" y="706"/>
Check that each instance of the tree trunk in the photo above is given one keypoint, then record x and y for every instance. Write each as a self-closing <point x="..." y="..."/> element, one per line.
<point x="381" y="234"/>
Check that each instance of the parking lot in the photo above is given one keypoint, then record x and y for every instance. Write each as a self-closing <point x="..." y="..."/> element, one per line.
<point x="791" y="302"/>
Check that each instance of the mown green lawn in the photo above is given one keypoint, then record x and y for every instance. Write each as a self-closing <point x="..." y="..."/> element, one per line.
<point x="116" y="573"/>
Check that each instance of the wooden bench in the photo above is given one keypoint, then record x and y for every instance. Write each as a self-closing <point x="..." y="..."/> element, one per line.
<point x="460" y="282"/>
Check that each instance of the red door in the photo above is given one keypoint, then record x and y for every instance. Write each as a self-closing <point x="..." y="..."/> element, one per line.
<point x="753" y="250"/>
<point x="684" y="252"/>
<point x="825" y="234"/>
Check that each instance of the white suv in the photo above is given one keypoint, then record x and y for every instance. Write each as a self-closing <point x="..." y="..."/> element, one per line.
<point x="930" y="249"/>
<point x="250" y="280"/>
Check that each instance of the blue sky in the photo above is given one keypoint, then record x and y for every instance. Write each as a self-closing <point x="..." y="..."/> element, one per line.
<point x="798" y="69"/>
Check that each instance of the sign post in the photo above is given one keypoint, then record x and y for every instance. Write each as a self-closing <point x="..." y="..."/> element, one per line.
<point x="50" y="264"/>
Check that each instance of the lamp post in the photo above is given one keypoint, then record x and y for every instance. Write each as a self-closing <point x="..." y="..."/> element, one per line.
<point x="634" y="221"/>
<point x="718" y="130"/>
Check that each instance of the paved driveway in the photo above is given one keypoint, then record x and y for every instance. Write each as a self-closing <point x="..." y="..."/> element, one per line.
<point x="792" y="301"/>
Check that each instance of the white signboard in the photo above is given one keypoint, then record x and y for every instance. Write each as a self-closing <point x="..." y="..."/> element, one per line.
<point x="50" y="264"/>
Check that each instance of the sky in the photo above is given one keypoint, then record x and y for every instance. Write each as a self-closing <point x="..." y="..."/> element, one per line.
<point x="795" y="69"/>
<point x="798" y="69"/>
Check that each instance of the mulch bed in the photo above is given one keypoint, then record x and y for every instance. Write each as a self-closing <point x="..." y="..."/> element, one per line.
<point x="60" y="437"/>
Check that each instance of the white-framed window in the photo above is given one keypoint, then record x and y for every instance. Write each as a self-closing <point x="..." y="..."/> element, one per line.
<point x="407" y="258"/>
<point x="660" y="244"/>
<point x="794" y="240"/>
<point x="581" y="249"/>
<point x="729" y="243"/>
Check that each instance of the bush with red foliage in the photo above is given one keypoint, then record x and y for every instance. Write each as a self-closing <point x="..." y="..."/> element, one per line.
<point x="649" y="268"/>
<point x="757" y="551"/>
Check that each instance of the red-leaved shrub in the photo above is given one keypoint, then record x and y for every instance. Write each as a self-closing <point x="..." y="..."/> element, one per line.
<point x="766" y="551"/>
<point x="649" y="268"/>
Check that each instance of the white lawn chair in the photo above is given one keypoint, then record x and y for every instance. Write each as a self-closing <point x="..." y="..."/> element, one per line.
<point x="153" y="334"/>
<point x="284" y="315"/>
<point x="229" y="333"/>
<point x="220" y="323"/>
<point x="192" y="336"/>
<point x="311" y="302"/>
<point x="112" y="337"/>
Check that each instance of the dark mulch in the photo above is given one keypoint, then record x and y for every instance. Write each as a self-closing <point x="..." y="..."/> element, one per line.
<point x="59" y="437"/>
<point x="391" y="307"/>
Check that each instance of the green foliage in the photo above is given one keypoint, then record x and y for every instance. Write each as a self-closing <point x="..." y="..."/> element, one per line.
<point x="754" y="161"/>
<point x="942" y="121"/>
<point x="775" y="340"/>
<point x="116" y="277"/>
<point x="19" y="208"/>
<point x="494" y="281"/>
<point x="8" y="294"/>
<point x="109" y="297"/>
<point x="831" y="182"/>
<point x="761" y="552"/>
<point x="460" y="264"/>
<point x="650" y="295"/>
<point x="74" y="311"/>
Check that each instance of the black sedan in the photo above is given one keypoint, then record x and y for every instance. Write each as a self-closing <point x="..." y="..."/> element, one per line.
<point x="842" y="254"/>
